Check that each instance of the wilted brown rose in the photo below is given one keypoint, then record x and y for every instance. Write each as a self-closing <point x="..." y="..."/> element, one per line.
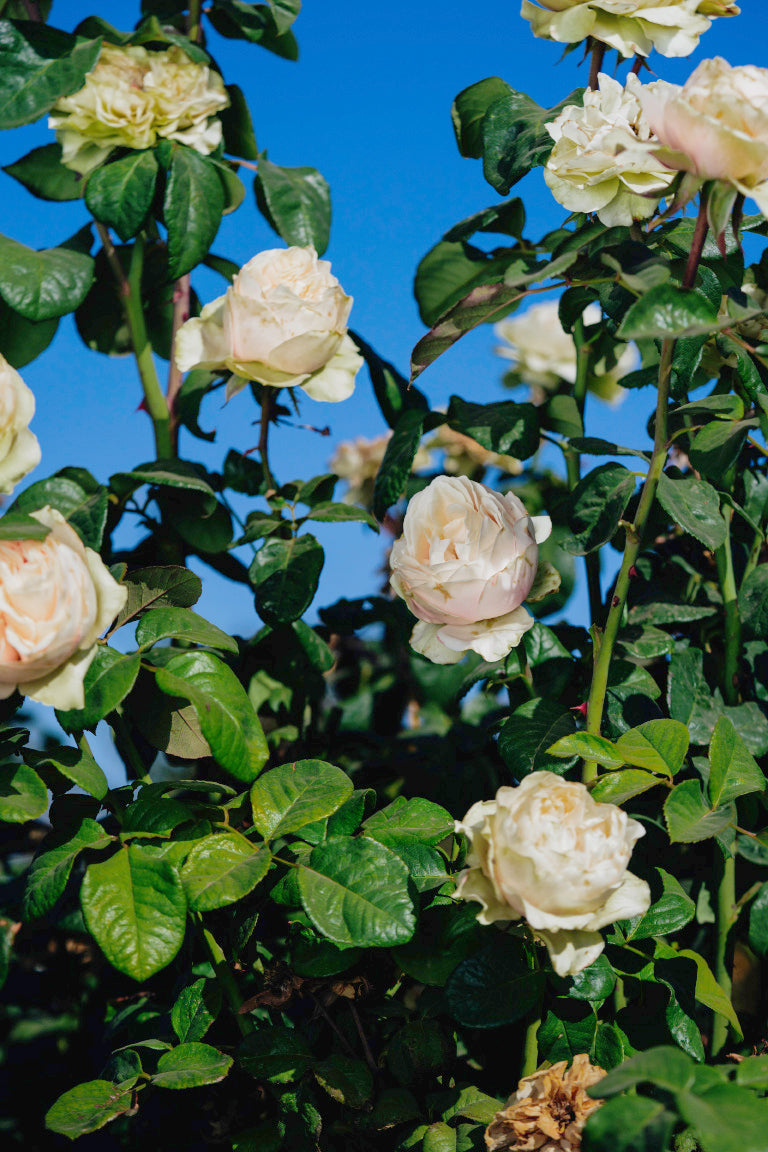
<point x="549" y="1110"/>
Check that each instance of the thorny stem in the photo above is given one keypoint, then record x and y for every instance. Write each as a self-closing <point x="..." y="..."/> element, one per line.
<point x="267" y="408"/>
<point x="180" y="314"/>
<point x="223" y="975"/>
<point x="573" y="466"/>
<point x="596" y="63"/>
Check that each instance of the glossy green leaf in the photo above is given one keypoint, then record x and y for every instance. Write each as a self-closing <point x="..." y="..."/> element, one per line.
<point x="668" y="1068"/>
<point x="275" y="1053"/>
<point x="597" y="504"/>
<point x="668" y="913"/>
<point x="715" y="449"/>
<point x="753" y="602"/>
<point x="469" y="109"/>
<point x="494" y="987"/>
<point x="74" y="492"/>
<point x="23" y="796"/>
<point x="227" y="718"/>
<point x="293" y="795"/>
<point x="448" y="272"/>
<point x="355" y="892"/>
<point x="258" y="23"/>
<point x="445" y="936"/>
<point x="237" y="126"/>
<point x="43" y="174"/>
<point x="109" y="679"/>
<point x="481" y="305"/>
<point x="416" y="820"/>
<point x="726" y="1118"/>
<point x="616" y="787"/>
<point x="658" y="746"/>
<point x="668" y="312"/>
<point x="192" y="207"/>
<point x="333" y="512"/>
<point x="690" y="818"/>
<point x="51" y="868"/>
<point x="525" y="736"/>
<point x="296" y="202"/>
<point x="190" y="1066"/>
<point x="43" y="285"/>
<point x="22" y="341"/>
<point x="395" y="468"/>
<point x="733" y="772"/>
<point x="221" y="869"/>
<point x="392" y="391"/>
<point x="588" y="747"/>
<point x="77" y="764"/>
<point x="181" y="624"/>
<point x="38" y="65"/>
<point x="515" y="138"/>
<point x="162" y="474"/>
<point x="629" y="1124"/>
<point x="284" y="575"/>
<point x="695" y="506"/>
<point x="159" y="588"/>
<point x="120" y="194"/>
<point x="195" y="1009"/>
<point x="135" y="909"/>
<point x="506" y="426"/>
<point x="88" y="1107"/>
<point x="758" y="921"/>
<point x="345" y="1079"/>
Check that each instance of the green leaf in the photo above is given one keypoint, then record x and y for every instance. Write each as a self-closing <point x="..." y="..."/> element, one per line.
<point x="237" y="126"/>
<point x="46" y="284"/>
<point x="445" y="936"/>
<point x="43" y="174"/>
<point x="296" y="202"/>
<point x="179" y="623"/>
<point x="346" y="1080"/>
<point x="688" y="816"/>
<point x="726" y="1118"/>
<point x="22" y="341"/>
<point x="192" y="207"/>
<point x="19" y="527"/>
<point x="506" y="426"/>
<point x="331" y="512"/>
<point x="77" y="764"/>
<point x="468" y="111"/>
<point x="23" y="796"/>
<point x="758" y="922"/>
<point x="109" y="679"/>
<point x="163" y="474"/>
<point x="472" y="1104"/>
<point x="715" y="448"/>
<point x="258" y="23"/>
<point x="355" y="892"/>
<point x="392" y="391"/>
<point x="275" y="1053"/>
<point x="398" y="459"/>
<point x="668" y="312"/>
<point x="695" y="506"/>
<point x="588" y="747"/>
<point x="753" y="602"/>
<point x="668" y="913"/>
<point x="291" y="796"/>
<point x="597" y="505"/>
<point x="135" y="909"/>
<point x="38" y="65"/>
<point x="658" y="746"/>
<point x="419" y="821"/>
<point x="707" y="990"/>
<point x="88" y="1107"/>
<point x="227" y="718"/>
<point x="525" y="736"/>
<point x="285" y="574"/>
<point x="120" y="194"/>
<point x="484" y="303"/>
<point x="732" y="770"/>
<point x="159" y="588"/>
<point x="515" y="139"/>
<point x="629" y="1124"/>
<point x="221" y="869"/>
<point x="190" y="1066"/>
<point x="81" y="500"/>
<point x="448" y="272"/>
<point x="594" y="983"/>
<point x="50" y="870"/>
<point x="494" y="987"/>
<point x="616" y="787"/>
<point x="668" y="1068"/>
<point x="195" y="1009"/>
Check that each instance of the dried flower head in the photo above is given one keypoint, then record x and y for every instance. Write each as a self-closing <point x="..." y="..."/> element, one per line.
<point x="548" y="1111"/>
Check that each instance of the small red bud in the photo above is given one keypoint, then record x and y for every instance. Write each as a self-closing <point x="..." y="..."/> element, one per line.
<point x="633" y="573"/>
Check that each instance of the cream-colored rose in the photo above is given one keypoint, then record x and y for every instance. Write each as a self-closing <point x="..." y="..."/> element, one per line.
<point x="630" y="26"/>
<point x="465" y="562"/>
<point x="132" y="97"/>
<point x="283" y="322"/>
<point x="357" y="461"/>
<point x="19" y="449"/>
<point x="463" y="455"/>
<point x="596" y="164"/>
<point x="544" y="354"/>
<point x="56" y="598"/>
<point x="715" y="126"/>
<point x="547" y="853"/>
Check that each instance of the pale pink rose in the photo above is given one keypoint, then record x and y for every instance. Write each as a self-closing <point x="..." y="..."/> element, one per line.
<point x="56" y="598"/>
<point x="546" y="852"/>
<point x="19" y="449"/>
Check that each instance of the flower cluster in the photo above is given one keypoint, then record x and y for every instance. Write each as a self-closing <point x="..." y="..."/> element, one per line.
<point x="283" y="323"/>
<point x="133" y="97"/>
<point x="548" y="853"/>
<point x="600" y="162"/>
<point x="544" y="354"/>
<point x="466" y="561"/>
<point x="56" y="598"/>
<point x="19" y="449"/>
<point x="630" y="26"/>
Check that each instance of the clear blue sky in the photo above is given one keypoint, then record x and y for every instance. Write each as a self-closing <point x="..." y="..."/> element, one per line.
<point x="368" y="103"/>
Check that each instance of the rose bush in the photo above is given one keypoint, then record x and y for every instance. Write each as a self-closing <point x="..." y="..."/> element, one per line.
<point x="596" y="165"/>
<point x="19" y="448"/>
<point x="56" y="598"/>
<point x="133" y="97"/>
<point x="283" y="323"/>
<point x="548" y="853"/>
<point x="467" y="559"/>
<point x="715" y="126"/>
<point x="629" y="26"/>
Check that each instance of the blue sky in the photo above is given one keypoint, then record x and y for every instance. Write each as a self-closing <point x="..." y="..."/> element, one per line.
<point x="368" y="104"/>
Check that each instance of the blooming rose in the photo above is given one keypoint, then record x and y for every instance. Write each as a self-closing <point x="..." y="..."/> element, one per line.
<point x="132" y="97"/>
<point x="596" y="165"/>
<point x="19" y="449"/>
<point x="357" y="461"/>
<point x="630" y="26"/>
<point x="283" y="322"/>
<point x="716" y="125"/>
<point x="544" y="354"/>
<point x="548" y="1111"/>
<point x="56" y="597"/>
<point x="465" y="562"/>
<point x="547" y="852"/>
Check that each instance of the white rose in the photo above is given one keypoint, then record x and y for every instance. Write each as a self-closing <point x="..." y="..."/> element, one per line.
<point x="547" y="853"/>
<point x="716" y="125"/>
<point x="630" y="26"/>
<point x="283" y="322"/>
<point x="465" y="562"/>
<point x="596" y="164"/>
<point x="544" y="354"/>
<point x="56" y="598"/>
<point x="19" y="449"/>
<point x="132" y="97"/>
<point x="357" y="461"/>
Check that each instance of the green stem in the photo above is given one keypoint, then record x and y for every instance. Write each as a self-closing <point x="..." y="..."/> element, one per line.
<point x="726" y="903"/>
<point x="267" y="408"/>
<point x="573" y="466"/>
<point x="223" y="975"/>
<point x="153" y="394"/>
<point x="193" y="20"/>
<point x="732" y="622"/>
<point x="531" y="1047"/>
